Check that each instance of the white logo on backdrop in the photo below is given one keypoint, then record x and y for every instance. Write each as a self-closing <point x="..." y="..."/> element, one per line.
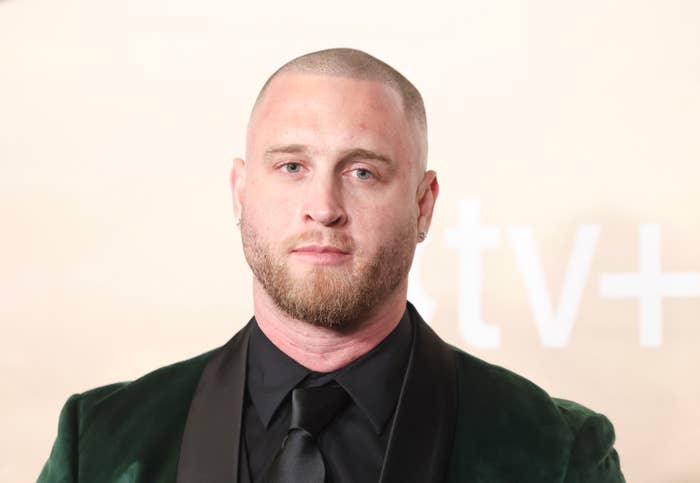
<point x="553" y="324"/>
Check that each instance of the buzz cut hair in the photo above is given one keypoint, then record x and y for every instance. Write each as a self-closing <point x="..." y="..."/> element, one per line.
<point x="356" y="64"/>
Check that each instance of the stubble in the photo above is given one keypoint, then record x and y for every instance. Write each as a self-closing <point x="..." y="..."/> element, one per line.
<point x="337" y="297"/>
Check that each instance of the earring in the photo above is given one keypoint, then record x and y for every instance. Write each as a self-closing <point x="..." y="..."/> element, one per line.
<point x="422" y="236"/>
<point x="237" y="221"/>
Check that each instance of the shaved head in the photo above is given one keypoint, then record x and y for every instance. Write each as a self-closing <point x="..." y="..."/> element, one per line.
<point x="335" y="194"/>
<point x="355" y="64"/>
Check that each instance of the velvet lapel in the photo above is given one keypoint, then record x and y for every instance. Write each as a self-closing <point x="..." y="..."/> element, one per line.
<point x="210" y="444"/>
<point x="420" y="443"/>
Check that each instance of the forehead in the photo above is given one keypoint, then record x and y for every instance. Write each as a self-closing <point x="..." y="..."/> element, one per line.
<point x="324" y="108"/>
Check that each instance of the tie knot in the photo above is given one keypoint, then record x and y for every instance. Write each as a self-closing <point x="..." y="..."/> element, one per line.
<point x="314" y="407"/>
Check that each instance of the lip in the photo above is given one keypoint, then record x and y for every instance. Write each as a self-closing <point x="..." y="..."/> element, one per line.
<point x="320" y="254"/>
<point x="319" y="249"/>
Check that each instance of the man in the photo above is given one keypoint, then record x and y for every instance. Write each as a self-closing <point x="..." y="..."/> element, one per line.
<point x="336" y="378"/>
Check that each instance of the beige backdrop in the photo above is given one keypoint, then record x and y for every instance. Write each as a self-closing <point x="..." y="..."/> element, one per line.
<point x="565" y="244"/>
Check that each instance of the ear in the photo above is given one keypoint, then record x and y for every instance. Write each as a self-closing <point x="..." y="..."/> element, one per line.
<point x="426" y="195"/>
<point x="238" y="172"/>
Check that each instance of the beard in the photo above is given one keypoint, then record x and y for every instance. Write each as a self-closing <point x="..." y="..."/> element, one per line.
<point x="337" y="297"/>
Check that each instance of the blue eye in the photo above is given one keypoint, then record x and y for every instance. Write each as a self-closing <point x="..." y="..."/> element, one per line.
<point x="292" y="167"/>
<point x="363" y="173"/>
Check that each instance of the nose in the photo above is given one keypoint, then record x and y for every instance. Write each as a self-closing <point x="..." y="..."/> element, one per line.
<point x="324" y="202"/>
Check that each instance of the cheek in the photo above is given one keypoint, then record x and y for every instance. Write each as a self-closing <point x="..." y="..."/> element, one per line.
<point x="391" y="208"/>
<point x="384" y="225"/>
<point x="265" y="198"/>
<point x="267" y="191"/>
<point x="265" y="217"/>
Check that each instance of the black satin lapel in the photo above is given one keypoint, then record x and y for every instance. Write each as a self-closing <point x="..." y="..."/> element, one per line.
<point x="422" y="434"/>
<point x="211" y="441"/>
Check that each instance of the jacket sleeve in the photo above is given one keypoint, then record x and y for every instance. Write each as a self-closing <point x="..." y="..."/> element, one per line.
<point x="62" y="465"/>
<point x="593" y="458"/>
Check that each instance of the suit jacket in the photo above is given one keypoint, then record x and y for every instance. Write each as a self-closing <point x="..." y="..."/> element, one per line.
<point x="458" y="419"/>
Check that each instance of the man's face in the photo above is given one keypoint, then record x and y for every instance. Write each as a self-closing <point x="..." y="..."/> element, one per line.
<point x="329" y="196"/>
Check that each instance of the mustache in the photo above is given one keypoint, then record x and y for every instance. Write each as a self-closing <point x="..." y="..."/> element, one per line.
<point x="338" y="240"/>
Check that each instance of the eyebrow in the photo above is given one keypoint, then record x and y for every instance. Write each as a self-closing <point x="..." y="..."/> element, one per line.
<point x="347" y="155"/>
<point x="285" y="149"/>
<point x="351" y="154"/>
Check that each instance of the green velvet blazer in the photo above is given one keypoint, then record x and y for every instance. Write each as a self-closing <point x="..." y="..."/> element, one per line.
<point x="458" y="420"/>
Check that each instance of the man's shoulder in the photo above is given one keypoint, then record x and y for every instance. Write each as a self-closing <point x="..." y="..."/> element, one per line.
<point x="170" y="381"/>
<point x="160" y="382"/>
<point x="491" y="385"/>
<point x="168" y="376"/>
<point x="130" y="427"/>
<point x="501" y="412"/>
<point x="493" y="398"/>
<point x="101" y="429"/>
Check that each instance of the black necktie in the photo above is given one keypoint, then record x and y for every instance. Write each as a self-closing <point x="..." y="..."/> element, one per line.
<point x="299" y="459"/>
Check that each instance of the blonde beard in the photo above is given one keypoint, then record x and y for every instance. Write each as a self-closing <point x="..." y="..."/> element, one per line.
<point x="329" y="296"/>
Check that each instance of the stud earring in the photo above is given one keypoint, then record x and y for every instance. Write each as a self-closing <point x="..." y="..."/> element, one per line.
<point x="237" y="221"/>
<point x="422" y="236"/>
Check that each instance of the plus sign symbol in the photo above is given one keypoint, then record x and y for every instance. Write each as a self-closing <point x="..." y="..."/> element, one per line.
<point x="650" y="285"/>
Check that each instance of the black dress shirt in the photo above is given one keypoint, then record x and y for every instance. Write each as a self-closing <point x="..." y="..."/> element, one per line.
<point x="354" y="443"/>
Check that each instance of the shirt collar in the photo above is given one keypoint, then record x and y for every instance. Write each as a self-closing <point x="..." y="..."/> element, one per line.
<point x="271" y="374"/>
<point x="373" y="380"/>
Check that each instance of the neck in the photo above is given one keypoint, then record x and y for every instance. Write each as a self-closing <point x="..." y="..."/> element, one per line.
<point x="319" y="348"/>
